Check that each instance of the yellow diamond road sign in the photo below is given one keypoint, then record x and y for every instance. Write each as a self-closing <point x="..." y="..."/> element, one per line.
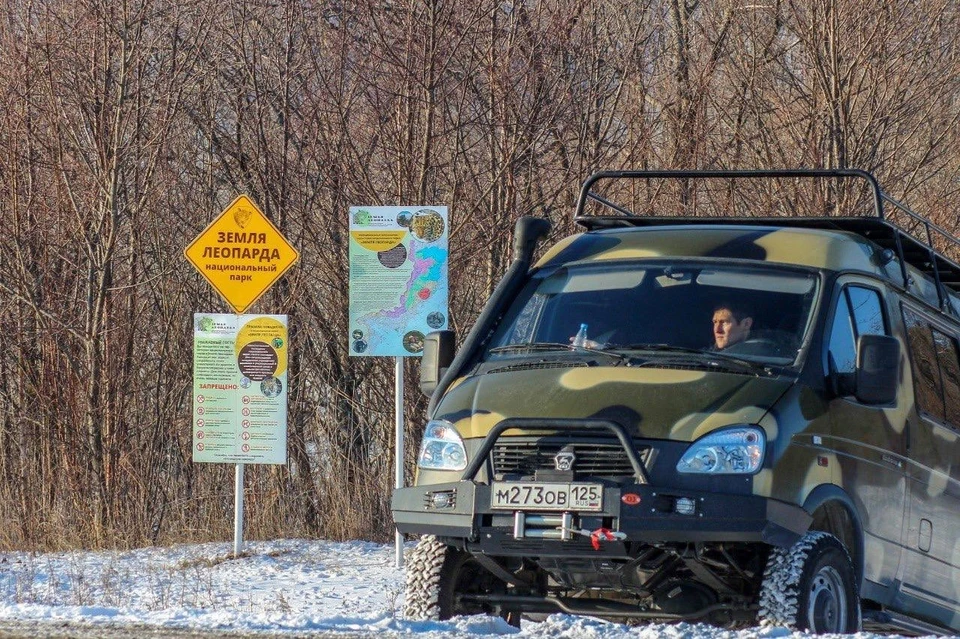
<point x="241" y="254"/>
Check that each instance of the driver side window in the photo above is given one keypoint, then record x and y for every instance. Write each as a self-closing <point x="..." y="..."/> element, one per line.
<point x="859" y="312"/>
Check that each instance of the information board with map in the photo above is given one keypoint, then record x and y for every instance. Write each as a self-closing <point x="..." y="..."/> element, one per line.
<point x="398" y="278"/>
<point x="240" y="388"/>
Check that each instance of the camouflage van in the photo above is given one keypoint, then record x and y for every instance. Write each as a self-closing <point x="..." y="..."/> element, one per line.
<point x="727" y="420"/>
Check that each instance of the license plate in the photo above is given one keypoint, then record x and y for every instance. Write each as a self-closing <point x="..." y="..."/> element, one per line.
<point x="543" y="496"/>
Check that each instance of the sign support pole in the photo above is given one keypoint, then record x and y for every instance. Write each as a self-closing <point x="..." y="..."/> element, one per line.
<point x="398" y="406"/>
<point x="228" y="238"/>
<point x="238" y="513"/>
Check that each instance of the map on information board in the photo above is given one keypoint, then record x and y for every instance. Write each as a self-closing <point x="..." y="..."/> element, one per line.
<point x="398" y="278"/>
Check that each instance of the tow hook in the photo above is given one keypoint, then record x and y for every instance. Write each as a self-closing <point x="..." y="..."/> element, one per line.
<point x="600" y="535"/>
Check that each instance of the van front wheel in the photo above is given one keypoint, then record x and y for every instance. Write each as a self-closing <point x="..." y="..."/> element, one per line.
<point x="437" y="576"/>
<point x="423" y="579"/>
<point x="811" y="586"/>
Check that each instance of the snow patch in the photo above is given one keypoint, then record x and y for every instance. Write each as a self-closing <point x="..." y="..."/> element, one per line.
<point x="293" y="586"/>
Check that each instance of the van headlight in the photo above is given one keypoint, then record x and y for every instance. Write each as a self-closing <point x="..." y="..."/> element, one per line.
<point x="442" y="447"/>
<point x="737" y="450"/>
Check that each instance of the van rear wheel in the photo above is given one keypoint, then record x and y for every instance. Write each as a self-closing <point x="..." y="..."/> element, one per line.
<point x="811" y="586"/>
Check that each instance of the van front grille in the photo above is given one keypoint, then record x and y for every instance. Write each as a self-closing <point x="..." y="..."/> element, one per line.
<point x="601" y="457"/>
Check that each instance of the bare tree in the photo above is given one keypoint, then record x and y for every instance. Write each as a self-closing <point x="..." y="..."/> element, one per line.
<point x="128" y="126"/>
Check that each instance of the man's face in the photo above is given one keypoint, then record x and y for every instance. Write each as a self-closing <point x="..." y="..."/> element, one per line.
<point x="727" y="331"/>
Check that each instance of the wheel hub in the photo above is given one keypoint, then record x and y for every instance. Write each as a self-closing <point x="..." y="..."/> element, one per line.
<point x="827" y="605"/>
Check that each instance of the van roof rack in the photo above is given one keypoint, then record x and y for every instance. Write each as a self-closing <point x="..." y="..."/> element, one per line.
<point x="915" y="240"/>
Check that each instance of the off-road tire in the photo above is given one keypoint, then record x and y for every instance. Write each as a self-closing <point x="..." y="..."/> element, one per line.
<point x="424" y="566"/>
<point x="811" y="586"/>
<point x="437" y="574"/>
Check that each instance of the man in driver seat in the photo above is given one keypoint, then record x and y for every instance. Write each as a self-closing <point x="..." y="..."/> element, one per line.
<point x="731" y="325"/>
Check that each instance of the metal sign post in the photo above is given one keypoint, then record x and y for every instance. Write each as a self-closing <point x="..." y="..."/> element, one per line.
<point x="398" y="292"/>
<point x="240" y="395"/>
<point x="240" y="362"/>
<point x="398" y="279"/>
<point x="238" y="512"/>
<point x="398" y="406"/>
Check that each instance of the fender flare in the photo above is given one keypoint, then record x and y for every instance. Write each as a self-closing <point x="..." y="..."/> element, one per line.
<point x="826" y="493"/>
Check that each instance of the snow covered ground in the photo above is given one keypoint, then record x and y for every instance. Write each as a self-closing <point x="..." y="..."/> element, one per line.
<point x="287" y="586"/>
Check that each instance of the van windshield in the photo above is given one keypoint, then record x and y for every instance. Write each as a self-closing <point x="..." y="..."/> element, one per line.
<point x="754" y="313"/>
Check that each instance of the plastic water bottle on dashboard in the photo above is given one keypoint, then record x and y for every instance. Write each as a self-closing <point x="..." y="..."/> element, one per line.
<point x="580" y="340"/>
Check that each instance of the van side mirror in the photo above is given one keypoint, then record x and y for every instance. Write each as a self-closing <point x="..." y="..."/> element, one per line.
<point x="438" y="352"/>
<point x="878" y="369"/>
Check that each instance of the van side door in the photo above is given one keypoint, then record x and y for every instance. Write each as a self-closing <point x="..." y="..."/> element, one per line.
<point x="932" y="542"/>
<point x="869" y="442"/>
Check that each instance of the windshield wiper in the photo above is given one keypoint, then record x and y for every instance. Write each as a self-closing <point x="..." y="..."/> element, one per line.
<point x="661" y="348"/>
<point x="713" y="356"/>
<point x="557" y="346"/>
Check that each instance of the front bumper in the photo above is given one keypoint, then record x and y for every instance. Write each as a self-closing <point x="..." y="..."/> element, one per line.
<point x="653" y="518"/>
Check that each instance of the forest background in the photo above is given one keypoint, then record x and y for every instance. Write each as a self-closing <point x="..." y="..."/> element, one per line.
<point x="127" y="125"/>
